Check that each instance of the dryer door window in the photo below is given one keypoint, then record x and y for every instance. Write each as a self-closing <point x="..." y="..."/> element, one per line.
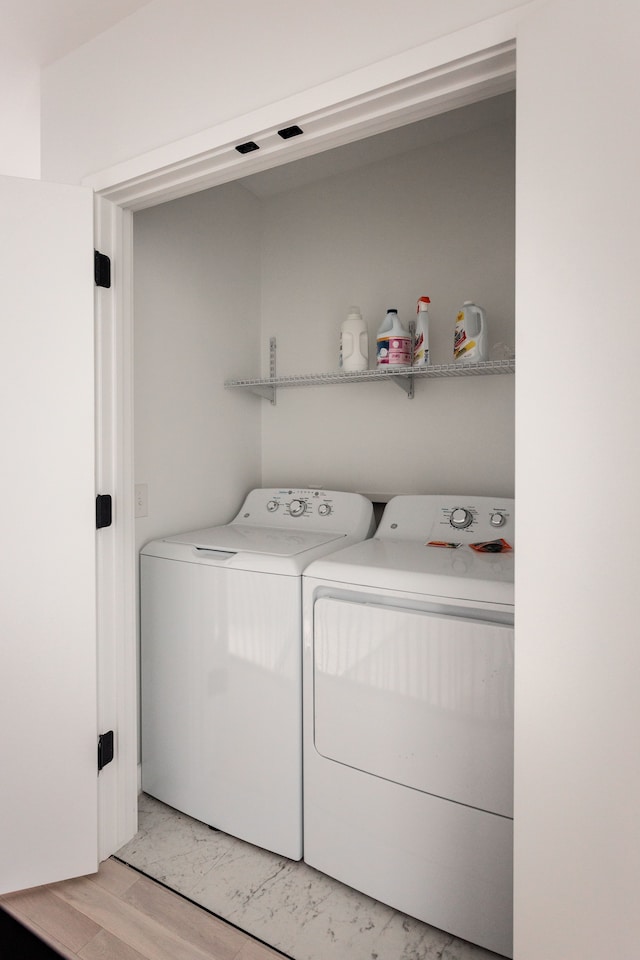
<point x="421" y="699"/>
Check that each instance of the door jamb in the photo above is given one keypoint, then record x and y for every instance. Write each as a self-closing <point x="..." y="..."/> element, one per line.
<point x="115" y="545"/>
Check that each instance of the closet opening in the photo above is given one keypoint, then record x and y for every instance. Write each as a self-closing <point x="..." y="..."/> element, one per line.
<point x="423" y="208"/>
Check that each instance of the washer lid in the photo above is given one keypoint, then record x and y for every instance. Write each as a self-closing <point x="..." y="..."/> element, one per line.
<point x="245" y="538"/>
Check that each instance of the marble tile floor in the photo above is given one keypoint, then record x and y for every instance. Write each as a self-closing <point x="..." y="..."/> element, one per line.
<point x="288" y="905"/>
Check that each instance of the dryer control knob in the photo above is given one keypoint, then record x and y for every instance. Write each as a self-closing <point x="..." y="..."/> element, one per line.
<point x="324" y="509"/>
<point x="272" y="506"/>
<point x="297" y="508"/>
<point x="460" y="518"/>
<point x="497" y="519"/>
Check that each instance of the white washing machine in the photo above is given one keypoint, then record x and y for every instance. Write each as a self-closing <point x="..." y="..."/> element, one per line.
<point x="221" y="666"/>
<point x="408" y="716"/>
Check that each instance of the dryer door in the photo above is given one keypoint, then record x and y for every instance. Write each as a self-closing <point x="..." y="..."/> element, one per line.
<point x="418" y="698"/>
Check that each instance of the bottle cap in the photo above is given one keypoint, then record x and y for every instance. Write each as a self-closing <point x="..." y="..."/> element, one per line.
<point x="422" y="300"/>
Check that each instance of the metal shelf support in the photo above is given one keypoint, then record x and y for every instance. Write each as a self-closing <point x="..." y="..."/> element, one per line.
<point x="407" y="384"/>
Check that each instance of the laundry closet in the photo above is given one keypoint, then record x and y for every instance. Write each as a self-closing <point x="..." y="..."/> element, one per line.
<point x="259" y="272"/>
<point x="427" y="208"/>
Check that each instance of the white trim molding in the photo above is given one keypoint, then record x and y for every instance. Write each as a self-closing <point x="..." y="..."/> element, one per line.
<point x="452" y="72"/>
<point x="115" y="545"/>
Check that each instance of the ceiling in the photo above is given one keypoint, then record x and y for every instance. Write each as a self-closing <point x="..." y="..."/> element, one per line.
<point x="353" y="156"/>
<point x="42" y="31"/>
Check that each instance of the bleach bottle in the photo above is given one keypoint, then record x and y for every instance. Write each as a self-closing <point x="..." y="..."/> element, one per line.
<point x="470" y="340"/>
<point x="354" y="342"/>
<point x="393" y="345"/>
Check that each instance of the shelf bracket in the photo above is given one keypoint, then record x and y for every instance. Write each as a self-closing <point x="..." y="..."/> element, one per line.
<point x="407" y="384"/>
<point x="267" y="393"/>
<point x="270" y="393"/>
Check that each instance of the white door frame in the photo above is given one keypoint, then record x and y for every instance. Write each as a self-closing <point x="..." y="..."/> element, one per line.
<point x="115" y="545"/>
<point x="461" y="68"/>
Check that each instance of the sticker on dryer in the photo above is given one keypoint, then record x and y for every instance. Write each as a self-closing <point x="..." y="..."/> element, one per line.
<point x="443" y="543"/>
<point x="492" y="546"/>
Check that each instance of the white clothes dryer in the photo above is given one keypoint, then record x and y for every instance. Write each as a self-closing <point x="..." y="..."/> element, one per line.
<point x="221" y="637"/>
<point x="408" y="717"/>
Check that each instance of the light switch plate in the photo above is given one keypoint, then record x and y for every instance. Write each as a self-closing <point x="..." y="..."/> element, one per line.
<point x="142" y="500"/>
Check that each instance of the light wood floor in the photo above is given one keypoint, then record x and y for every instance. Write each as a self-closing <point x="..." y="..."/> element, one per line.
<point x="117" y="914"/>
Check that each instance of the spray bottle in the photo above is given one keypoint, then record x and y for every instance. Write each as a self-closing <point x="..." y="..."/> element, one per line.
<point x="421" y="342"/>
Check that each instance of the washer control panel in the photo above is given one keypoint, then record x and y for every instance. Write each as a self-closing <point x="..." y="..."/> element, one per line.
<point x="308" y="507"/>
<point x="300" y="503"/>
<point x="448" y="520"/>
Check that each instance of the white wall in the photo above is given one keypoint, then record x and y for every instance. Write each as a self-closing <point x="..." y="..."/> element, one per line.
<point x="19" y="115"/>
<point x="197" y="445"/>
<point x="438" y="220"/>
<point x="179" y="66"/>
<point x="577" y="857"/>
<point x="577" y="758"/>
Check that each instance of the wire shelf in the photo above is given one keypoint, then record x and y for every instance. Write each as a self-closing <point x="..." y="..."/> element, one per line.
<point x="403" y="375"/>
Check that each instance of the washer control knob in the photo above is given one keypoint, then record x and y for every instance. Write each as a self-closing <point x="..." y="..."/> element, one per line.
<point x="324" y="509"/>
<point x="272" y="506"/>
<point x="460" y="518"/>
<point x="297" y="508"/>
<point x="497" y="519"/>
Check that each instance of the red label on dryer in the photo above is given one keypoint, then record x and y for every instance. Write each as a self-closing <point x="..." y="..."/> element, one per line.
<point x="492" y="546"/>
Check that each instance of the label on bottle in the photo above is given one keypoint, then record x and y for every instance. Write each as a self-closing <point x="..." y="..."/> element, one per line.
<point x="420" y="351"/>
<point x="467" y="337"/>
<point x="344" y="338"/>
<point x="460" y="340"/>
<point x="399" y="351"/>
<point x="382" y="351"/>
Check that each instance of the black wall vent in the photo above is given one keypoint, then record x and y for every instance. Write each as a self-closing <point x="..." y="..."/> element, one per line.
<point x="287" y="132"/>
<point x="247" y="147"/>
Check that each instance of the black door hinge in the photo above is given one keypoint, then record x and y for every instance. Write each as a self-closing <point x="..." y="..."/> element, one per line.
<point x="103" y="510"/>
<point x="101" y="269"/>
<point x="105" y="749"/>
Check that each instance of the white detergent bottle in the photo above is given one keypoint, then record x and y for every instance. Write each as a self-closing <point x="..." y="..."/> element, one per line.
<point x="421" y="342"/>
<point x="354" y="342"/>
<point x="470" y="343"/>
